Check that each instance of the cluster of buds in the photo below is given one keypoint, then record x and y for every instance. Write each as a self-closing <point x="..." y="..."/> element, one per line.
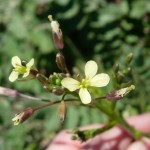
<point x="55" y="85"/>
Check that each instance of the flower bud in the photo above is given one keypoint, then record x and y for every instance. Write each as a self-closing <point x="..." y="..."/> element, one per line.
<point x="60" y="60"/>
<point x="129" y="71"/>
<point x="62" y="111"/>
<point x="58" y="90"/>
<point x="120" y="76"/>
<point x="22" y="116"/>
<point x="42" y="79"/>
<point x="119" y="94"/>
<point x="57" y="33"/>
<point x="116" y="68"/>
<point x="129" y="58"/>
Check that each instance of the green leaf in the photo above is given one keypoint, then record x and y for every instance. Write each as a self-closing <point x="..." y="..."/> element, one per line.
<point x="17" y="26"/>
<point x="42" y="41"/>
<point x="51" y="121"/>
<point x="138" y="9"/>
<point x="62" y="2"/>
<point x="72" y="118"/>
<point x="126" y="25"/>
<point x="71" y="12"/>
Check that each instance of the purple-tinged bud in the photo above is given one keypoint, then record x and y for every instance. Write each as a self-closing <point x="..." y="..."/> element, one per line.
<point x="57" y="33"/>
<point x="22" y="116"/>
<point x="62" y="111"/>
<point x="119" y="94"/>
<point x="61" y="63"/>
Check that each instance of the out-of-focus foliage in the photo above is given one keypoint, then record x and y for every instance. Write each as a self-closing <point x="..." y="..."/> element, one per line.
<point x="103" y="30"/>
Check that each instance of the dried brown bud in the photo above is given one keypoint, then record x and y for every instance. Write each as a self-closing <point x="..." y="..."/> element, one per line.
<point x="119" y="94"/>
<point x="62" y="111"/>
<point x="22" y="116"/>
<point x="57" y="33"/>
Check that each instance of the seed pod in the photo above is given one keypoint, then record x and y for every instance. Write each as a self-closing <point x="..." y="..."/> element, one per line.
<point x="62" y="111"/>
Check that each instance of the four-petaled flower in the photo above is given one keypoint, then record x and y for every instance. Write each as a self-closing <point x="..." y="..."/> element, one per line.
<point x="91" y="79"/>
<point x="19" y="68"/>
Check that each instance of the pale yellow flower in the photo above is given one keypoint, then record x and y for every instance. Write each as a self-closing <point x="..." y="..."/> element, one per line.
<point x="91" y="79"/>
<point x="19" y="68"/>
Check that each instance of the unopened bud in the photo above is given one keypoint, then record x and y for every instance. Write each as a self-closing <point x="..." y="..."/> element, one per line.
<point x="62" y="111"/>
<point x="116" y="68"/>
<point x="129" y="58"/>
<point x="61" y="63"/>
<point x="119" y="76"/>
<point x="58" y="91"/>
<point x="57" y="33"/>
<point x="22" y="116"/>
<point x="129" y="71"/>
<point x="42" y="78"/>
<point x="119" y="94"/>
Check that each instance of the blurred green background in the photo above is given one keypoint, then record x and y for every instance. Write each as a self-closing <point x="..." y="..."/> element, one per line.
<point x="102" y="30"/>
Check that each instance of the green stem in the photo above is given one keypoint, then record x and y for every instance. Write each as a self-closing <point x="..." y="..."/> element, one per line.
<point x="53" y="103"/>
<point x="121" y="121"/>
<point x="87" y="134"/>
<point x="116" y="116"/>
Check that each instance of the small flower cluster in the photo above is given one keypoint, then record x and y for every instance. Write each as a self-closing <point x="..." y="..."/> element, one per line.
<point x="63" y="83"/>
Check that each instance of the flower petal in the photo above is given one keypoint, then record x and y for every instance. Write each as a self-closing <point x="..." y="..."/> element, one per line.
<point x="30" y="63"/>
<point x="13" y="76"/>
<point x="16" y="61"/>
<point x="85" y="96"/>
<point x="71" y="84"/>
<point x="55" y="26"/>
<point x="90" y="69"/>
<point x="100" y="80"/>
<point x="26" y="74"/>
